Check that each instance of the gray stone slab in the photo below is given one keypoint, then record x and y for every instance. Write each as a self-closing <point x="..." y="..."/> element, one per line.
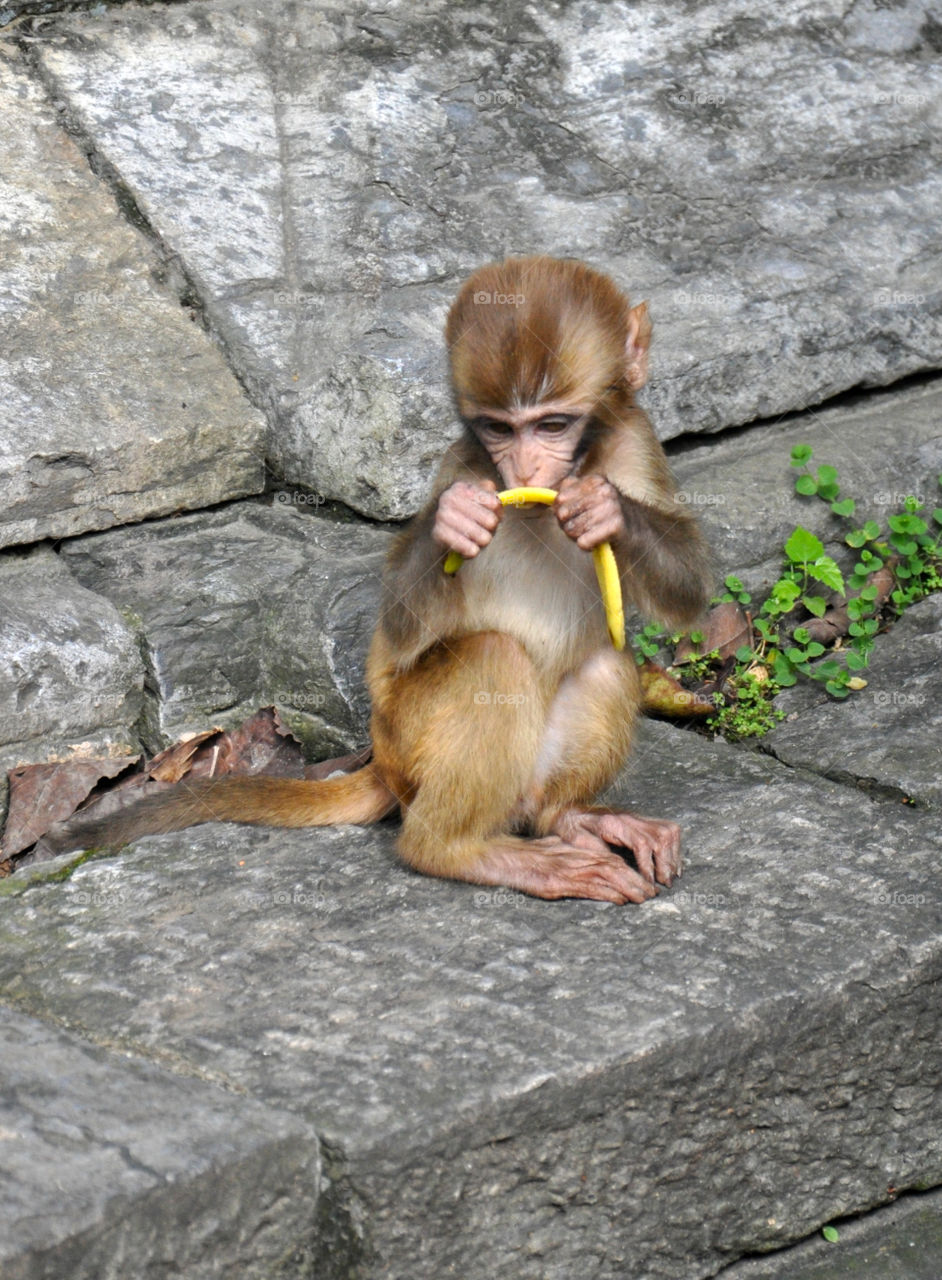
<point x="900" y="1242"/>
<point x="514" y="1087"/>
<point x="71" y="674"/>
<point x="886" y="445"/>
<point x="116" y="405"/>
<point x="771" y="181"/>
<point x="243" y="607"/>
<point x="888" y="735"/>
<point x="112" y="1166"/>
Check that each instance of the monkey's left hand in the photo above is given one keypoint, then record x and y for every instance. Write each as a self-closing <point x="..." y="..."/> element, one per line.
<point x="589" y="510"/>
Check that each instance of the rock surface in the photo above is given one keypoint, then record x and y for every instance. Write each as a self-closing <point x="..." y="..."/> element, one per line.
<point x="891" y="732"/>
<point x="257" y="1053"/>
<point x="771" y="181"/>
<point x="73" y="675"/>
<point x="886" y="446"/>
<point x="900" y="1242"/>
<point x="135" y="1170"/>
<point x="543" y="1089"/>
<point x="243" y="607"/>
<point x="116" y="406"/>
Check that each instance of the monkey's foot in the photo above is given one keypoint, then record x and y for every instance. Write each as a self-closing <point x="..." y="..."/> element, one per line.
<point x="654" y="843"/>
<point x="553" y="868"/>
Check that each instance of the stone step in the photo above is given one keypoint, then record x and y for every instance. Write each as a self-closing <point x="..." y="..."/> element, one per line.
<point x="504" y="1086"/>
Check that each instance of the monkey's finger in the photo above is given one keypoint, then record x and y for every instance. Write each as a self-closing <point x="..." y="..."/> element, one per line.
<point x="668" y="860"/>
<point x="568" y="872"/>
<point x="466" y="534"/>
<point x="599" y="531"/>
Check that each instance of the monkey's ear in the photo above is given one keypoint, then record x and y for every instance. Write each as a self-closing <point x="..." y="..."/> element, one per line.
<point x="637" y="343"/>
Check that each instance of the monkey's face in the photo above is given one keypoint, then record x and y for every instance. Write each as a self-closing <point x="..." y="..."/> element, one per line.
<point x="532" y="447"/>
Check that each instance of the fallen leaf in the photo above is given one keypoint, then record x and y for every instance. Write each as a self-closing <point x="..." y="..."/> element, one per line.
<point x="725" y="628"/>
<point x="57" y="800"/>
<point x="42" y="794"/>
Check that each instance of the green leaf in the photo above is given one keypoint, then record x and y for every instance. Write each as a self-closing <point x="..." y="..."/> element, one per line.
<point x="744" y="654"/>
<point x="845" y="508"/>
<point x="909" y="523"/>
<point x="801" y="453"/>
<point x="732" y="582"/>
<point x="784" y="674"/>
<point x="825" y="570"/>
<point x="856" y="538"/>
<point x="937" y="515"/>
<point x="830" y="668"/>
<point x="830" y="1234"/>
<point x="814" y="650"/>
<point x="857" y="629"/>
<point x="801" y="635"/>
<point x="872" y="626"/>
<point x="905" y="546"/>
<point x="836" y="690"/>
<point x="854" y="660"/>
<point x="872" y="530"/>
<point x="828" y="491"/>
<point x="815" y="604"/>
<point x="803" y="546"/>
<point x="795" y="655"/>
<point x="869" y="593"/>
<point x="806" y="485"/>
<point x="827" y="474"/>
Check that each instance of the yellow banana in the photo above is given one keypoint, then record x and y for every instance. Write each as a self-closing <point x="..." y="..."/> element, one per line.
<point x="606" y="567"/>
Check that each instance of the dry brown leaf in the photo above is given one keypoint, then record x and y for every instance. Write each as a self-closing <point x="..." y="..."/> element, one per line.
<point x="725" y="628"/>
<point x="55" y="799"/>
<point x="174" y="763"/>
<point x="41" y="794"/>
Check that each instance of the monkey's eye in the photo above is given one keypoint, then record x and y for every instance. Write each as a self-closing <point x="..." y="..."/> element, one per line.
<point x="493" y="428"/>
<point x="554" y="424"/>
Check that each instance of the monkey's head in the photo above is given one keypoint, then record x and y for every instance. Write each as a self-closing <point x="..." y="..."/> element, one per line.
<point x="543" y="349"/>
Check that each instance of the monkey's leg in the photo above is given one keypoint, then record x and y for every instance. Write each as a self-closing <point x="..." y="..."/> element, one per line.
<point x="586" y="741"/>
<point x="470" y="729"/>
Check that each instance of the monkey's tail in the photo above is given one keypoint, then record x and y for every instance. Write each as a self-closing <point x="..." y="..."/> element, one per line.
<point x="358" y="797"/>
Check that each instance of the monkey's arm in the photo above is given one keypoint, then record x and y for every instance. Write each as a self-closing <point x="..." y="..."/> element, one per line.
<point x="664" y="561"/>
<point x="662" y="557"/>
<point x="422" y="605"/>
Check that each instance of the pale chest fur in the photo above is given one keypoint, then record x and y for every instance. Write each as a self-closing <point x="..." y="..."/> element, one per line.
<point x="534" y="583"/>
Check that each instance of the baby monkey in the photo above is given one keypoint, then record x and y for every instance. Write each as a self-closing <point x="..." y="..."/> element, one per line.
<point x="500" y="708"/>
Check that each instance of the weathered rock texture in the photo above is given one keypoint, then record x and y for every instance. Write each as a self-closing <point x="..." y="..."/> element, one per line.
<point x="886" y="446"/>
<point x="496" y="1086"/>
<point x="890" y="734"/>
<point x="116" y="405"/>
<point x="328" y="175"/>
<point x="530" y="1089"/>
<point x="114" y="1166"/>
<point x="72" y="670"/>
<point x="243" y="607"/>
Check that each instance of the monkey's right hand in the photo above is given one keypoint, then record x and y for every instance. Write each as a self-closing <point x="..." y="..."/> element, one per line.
<point x="467" y="516"/>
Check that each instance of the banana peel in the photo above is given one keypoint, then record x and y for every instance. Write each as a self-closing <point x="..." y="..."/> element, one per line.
<point x="606" y="567"/>
<point x="665" y="696"/>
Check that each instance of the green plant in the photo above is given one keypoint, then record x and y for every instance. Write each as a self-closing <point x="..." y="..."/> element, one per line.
<point x="784" y="649"/>
<point x="749" y="712"/>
